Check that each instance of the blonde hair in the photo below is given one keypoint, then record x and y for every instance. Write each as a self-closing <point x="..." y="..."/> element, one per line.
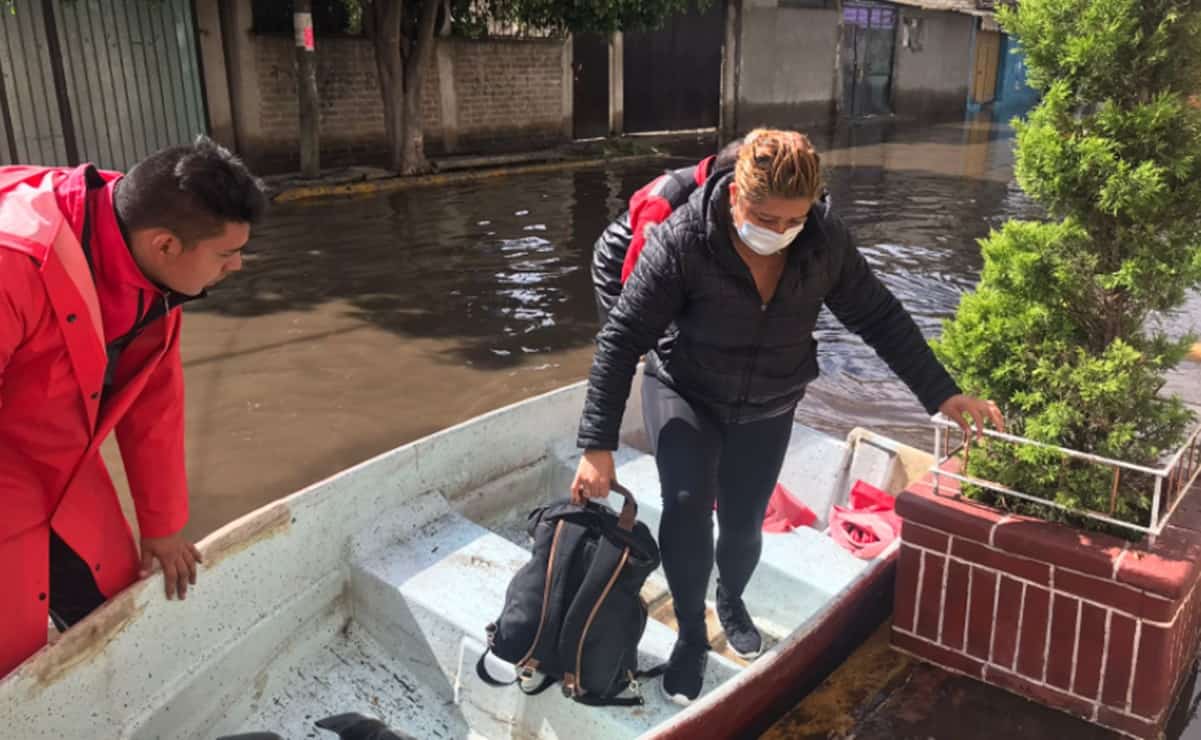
<point x="777" y="163"/>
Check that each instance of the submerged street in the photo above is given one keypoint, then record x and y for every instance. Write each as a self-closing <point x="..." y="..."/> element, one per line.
<point x="362" y="324"/>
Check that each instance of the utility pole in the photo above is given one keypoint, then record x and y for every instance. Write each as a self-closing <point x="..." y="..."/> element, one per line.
<point x="306" y="86"/>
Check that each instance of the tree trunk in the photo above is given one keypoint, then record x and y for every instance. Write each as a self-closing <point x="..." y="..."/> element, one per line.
<point x="413" y="132"/>
<point x="389" y="64"/>
<point x="413" y="161"/>
<point x="306" y="87"/>
<point x="402" y="63"/>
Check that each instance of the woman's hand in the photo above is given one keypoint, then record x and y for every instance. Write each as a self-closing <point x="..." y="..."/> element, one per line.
<point x="593" y="477"/>
<point x="964" y="410"/>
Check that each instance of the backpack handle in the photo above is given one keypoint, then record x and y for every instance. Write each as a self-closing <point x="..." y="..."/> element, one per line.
<point x="629" y="509"/>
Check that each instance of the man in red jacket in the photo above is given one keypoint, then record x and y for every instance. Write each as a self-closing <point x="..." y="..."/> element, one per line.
<point x="93" y="269"/>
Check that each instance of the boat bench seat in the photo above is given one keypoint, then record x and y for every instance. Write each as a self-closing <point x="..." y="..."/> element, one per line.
<point x="425" y="585"/>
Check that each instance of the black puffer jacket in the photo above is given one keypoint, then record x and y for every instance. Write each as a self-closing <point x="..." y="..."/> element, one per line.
<point x="673" y="189"/>
<point x="608" y="256"/>
<point x="693" y="301"/>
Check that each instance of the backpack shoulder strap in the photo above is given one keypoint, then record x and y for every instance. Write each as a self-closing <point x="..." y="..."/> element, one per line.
<point x="606" y="566"/>
<point x="568" y="537"/>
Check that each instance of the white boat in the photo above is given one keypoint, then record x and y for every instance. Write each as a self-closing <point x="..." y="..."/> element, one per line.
<point x="369" y="592"/>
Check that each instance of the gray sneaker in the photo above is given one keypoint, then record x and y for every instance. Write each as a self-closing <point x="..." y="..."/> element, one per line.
<point x="741" y="633"/>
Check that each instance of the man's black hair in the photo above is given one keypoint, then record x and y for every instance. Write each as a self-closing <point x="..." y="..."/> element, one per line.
<point x="191" y="190"/>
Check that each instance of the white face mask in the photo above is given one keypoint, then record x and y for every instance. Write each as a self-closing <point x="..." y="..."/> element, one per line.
<point x="766" y="241"/>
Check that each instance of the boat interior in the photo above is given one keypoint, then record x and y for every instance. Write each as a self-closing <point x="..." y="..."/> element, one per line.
<point x="370" y="592"/>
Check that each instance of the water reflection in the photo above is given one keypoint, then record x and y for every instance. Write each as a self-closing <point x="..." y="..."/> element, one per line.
<point x="501" y="267"/>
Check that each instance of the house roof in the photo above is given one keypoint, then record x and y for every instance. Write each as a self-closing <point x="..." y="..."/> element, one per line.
<point x="969" y="7"/>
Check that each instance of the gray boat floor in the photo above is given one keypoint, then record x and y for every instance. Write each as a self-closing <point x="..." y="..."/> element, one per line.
<point x="353" y="673"/>
<point x="401" y="643"/>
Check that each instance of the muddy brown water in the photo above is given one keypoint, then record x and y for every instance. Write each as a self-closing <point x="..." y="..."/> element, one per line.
<point x="361" y="324"/>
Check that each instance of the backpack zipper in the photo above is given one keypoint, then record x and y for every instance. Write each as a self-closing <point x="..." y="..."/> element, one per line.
<point x="579" y="653"/>
<point x="550" y="565"/>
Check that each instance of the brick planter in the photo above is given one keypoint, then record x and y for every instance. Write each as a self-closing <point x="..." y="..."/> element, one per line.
<point x="1090" y="624"/>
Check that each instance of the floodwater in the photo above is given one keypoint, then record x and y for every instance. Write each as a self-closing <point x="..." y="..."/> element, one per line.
<point x="362" y="324"/>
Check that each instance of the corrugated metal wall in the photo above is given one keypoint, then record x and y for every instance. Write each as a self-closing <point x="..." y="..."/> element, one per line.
<point x="130" y="75"/>
<point x="34" y="121"/>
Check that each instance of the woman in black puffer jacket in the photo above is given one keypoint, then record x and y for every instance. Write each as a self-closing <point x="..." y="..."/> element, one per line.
<point x="725" y="298"/>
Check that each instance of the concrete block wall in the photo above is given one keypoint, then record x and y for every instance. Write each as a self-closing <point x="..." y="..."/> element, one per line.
<point x="508" y="92"/>
<point x="787" y="59"/>
<point x="351" y="117"/>
<point x="931" y="82"/>
<point x="477" y="96"/>
<point x="788" y="66"/>
<point x="504" y="95"/>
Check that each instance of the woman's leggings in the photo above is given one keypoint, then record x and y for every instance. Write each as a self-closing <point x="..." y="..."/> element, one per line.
<point x="702" y="461"/>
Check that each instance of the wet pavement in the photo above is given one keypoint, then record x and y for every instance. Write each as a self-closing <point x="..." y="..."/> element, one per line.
<point x="880" y="694"/>
<point x="361" y="324"/>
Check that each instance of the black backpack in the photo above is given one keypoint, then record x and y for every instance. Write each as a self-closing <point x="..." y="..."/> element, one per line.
<point x="574" y="612"/>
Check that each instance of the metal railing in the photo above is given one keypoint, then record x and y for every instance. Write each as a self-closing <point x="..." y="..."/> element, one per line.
<point x="1170" y="481"/>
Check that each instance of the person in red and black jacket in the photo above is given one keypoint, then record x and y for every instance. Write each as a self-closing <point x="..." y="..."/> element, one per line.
<point x="723" y="304"/>
<point x="616" y="251"/>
